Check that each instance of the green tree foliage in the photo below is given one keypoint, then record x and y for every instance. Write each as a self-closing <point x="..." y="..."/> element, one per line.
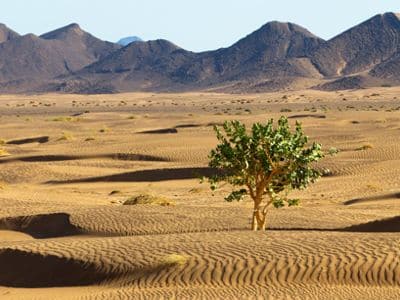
<point x="264" y="163"/>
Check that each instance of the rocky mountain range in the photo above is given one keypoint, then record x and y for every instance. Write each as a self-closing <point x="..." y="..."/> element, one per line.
<point x="278" y="56"/>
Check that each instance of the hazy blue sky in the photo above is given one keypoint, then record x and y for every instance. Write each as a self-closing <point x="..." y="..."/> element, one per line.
<point x="194" y="25"/>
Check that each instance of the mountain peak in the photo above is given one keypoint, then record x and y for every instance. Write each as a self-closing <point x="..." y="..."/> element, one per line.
<point x="284" y="27"/>
<point x="74" y="27"/>
<point x="64" y="32"/>
<point x="275" y="41"/>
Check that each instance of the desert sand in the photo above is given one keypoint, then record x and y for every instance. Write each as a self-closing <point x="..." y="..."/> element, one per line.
<point x="69" y="162"/>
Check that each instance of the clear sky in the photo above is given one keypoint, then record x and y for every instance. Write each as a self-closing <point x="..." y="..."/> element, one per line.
<point x="194" y="25"/>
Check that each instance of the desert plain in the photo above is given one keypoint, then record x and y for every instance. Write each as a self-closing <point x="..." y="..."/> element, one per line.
<point x="69" y="162"/>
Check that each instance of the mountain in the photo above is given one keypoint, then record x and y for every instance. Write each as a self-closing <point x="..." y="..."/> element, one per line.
<point x="365" y="55"/>
<point x="27" y="62"/>
<point x="81" y="43"/>
<point x="7" y="34"/>
<point x="275" y="50"/>
<point x="138" y="66"/>
<point x="361" y="48"/>
<point x="277" y="56"/>
<point x="128" y="40"/>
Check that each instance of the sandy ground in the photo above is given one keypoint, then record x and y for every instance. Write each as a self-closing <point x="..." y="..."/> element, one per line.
<point x="69" y="162"/>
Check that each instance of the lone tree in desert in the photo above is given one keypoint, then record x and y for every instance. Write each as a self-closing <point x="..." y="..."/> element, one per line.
<point x="264" y="163"/>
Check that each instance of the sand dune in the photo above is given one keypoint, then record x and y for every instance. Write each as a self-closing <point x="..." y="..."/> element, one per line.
<point x="63" y="225"/>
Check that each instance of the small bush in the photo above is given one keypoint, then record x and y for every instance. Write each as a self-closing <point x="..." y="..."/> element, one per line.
<point x="174" y="259"/>
<point x="365" y="147"/>
<point x="66" y="136"/>
<point x="4" y="153"/>
<point x="325" y="172"/>
<point x="333" y="151"/>
<point x="115" y="192"/>
<point x="195" y="191"/>
<point x="104" y="129"/>
<point x="285" y="110"/>
<point x="149" y="199"/>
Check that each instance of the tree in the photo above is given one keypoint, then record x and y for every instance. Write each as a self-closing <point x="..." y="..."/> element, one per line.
<point x="265" y="163"/>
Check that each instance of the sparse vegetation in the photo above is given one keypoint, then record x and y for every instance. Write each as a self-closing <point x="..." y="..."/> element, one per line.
<point x="115" y="192"/>
<point x="65" y="119"/>
<point x="333" y="151"/>
<point x="265" y="163"/>
<point x="66" y="136"/>
<point x="365" y="147"/>
<point x="326" y="172"/>
<point x="104" y="129"/>
<point x="3" y="152"/>
<point x="149" y="199"/>
<point x="195" y="191"/>
<point x="174" y="259"/>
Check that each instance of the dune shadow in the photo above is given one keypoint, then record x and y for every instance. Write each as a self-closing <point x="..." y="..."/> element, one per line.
<point x="55" y="158"/>
<point x="160" y="131"/>
<point x="173" y="130"/>
<point x="152" y="175"/>
<point x="372" y="198"/>
<point x="301" y="116"/>
<point x="188" y="126"/>
<point x="41" y="226"/>
<point x="26" y="269"/>
<point x="40" y="140"/>
<point x="384" y="225"/>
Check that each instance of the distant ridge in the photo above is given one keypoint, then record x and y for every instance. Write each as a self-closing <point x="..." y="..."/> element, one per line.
<point x="128" y="40"/>
<point x="277" y="56"/>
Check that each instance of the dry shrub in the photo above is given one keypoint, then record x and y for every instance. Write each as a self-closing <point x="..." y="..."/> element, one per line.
<point x="66" y="136"/>
<point x="174" y="259"/>
<point x="365" y="147"/>
<point x="4" y="153"/>
<point x="149" y="199"/>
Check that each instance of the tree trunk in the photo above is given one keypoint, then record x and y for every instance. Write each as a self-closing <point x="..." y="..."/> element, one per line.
<point x="263" y="224"/>
<point x="259" y="221"/>
<point x="254" y="223"/>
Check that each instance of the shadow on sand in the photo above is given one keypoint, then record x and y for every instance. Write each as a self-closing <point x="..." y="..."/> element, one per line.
<point x="373" y="198"/>
<point x="152" y="175"/>
<point x="55" y="158"/>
